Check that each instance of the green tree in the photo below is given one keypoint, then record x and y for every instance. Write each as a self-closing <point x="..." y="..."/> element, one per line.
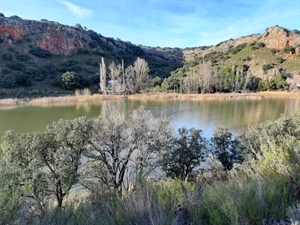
<point x="189" y="150"/>
<point x="8" y="81"/>
<point x="46" y="164"/>
<point x="70" y="80"/>
<point x="156" y="81"/>
<point x="226" y="148"/>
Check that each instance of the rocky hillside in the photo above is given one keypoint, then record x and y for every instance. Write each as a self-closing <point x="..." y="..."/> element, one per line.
<point x="259" y="55"/>
<point x="35" y="53"/>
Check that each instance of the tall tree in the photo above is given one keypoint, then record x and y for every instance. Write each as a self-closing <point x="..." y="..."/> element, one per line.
<point x="137" y="76"/>
<point x="114" y="74"/>
<point x="205" y="76"/>
<point x="102" y="73"/>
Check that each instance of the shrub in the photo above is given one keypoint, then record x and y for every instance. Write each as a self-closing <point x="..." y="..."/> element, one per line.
<point x="23" y="79"/>
<point x="70" y="80"/>
<point x="274" y="50"/>
<point x="59" y="28"/>
<point x="22" y="57"/>
<point x="15" y="17"/>
<point x="16" y="66"/>
<point x="1" y="15"/>
<point x="11" y="49"/>
<point x="237" y="49"/>
<point x="8" y="81"/>
<point x="93" y="44"/>
<point x="78" y="26"/>
<point x="288" y="49"/>
<point x="6" y="56"/>
<point x="266" y="67"/>
<point x="36" y="73"/>
<point x="279" y="60"/>
<point x="6" y="70"/>
<point x="40" y="52"/>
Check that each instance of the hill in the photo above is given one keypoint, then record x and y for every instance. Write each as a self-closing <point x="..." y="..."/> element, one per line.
<point x="35" y="54"/>
<point x="260" y="56"/>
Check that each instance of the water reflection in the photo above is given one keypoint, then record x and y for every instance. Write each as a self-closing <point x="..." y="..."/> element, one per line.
<point x="204" y="115"/>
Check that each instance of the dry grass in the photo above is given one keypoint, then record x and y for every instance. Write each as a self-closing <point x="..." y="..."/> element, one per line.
<point x="84" y="96"/>
<point x="217" y="96"/>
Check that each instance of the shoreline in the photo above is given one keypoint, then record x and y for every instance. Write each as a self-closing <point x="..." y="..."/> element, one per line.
<point x="71" y="99"/>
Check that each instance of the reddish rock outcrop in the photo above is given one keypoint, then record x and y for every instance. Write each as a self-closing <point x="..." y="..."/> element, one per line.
<point x="278" y="38"/>
<point x="57" y="38"/>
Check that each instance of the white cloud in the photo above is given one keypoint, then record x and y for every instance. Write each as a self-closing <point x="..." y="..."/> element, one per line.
<point x="76" y="10"/>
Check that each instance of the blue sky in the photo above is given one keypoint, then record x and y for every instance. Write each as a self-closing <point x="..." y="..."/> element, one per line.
<point x="182" y="23"/>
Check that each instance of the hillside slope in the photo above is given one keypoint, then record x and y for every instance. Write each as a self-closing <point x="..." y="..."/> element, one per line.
<point x="37" y="53"/>
<point x="34" y="55"/>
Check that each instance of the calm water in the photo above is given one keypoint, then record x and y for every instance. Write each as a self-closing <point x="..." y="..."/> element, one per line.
<point x="204" y="115"/>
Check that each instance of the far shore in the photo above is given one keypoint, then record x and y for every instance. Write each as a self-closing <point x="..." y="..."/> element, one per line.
<point x="72" y="99"/>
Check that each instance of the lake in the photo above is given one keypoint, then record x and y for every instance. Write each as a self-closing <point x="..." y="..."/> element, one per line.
<point x="204" y="114"/>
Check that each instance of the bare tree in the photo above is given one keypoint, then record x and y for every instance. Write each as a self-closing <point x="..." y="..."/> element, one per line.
<point x="123" y="74"/>
<point x="130" y="79"/>
<point x="114" y="74"/>
<point x="123" y="148"/>
<point x="205" y="76"/>
<point x="102" y="83"/>
<point x="137" y="76"/>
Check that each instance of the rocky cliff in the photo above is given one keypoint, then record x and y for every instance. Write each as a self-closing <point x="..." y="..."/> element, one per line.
<point x="66" y="40"/>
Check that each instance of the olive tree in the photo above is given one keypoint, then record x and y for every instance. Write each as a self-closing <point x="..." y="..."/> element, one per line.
<point x="124" y="150"/>
<point x="47" y="162"/>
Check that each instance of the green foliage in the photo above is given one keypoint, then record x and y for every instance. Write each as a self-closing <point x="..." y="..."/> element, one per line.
<point x="38" y="74"/>
<point x="288" y="49"/>
<point x="279" y="60"/>
<point x="8" y="81"/>
<point x="156" y="81"/>
<point x="22" y="57"/>
<point x="16" y="66"/>
<point x="266" y="67"/>
<point x="274" y="50"/>
<point x="188" y="152"/>
<point x="227" y="149"/>
<point x="237" y="49"/>
<point x="60" y="28"/>
<point x="7" y="56"/>
<point x="23" y="79"/>
<point x="78" y="26"/>
<point x="276" y="83"/>
<point x="93" y="44"/>
<point x="6" y="70"/>
<point x="47" y="162"/>
<point x="40" y="52"/>
<point x="15" y="17"/>
<point x="70" y="80"/>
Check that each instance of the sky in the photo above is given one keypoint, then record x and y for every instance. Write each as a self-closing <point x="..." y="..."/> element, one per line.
<point x="164" y="23"/>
